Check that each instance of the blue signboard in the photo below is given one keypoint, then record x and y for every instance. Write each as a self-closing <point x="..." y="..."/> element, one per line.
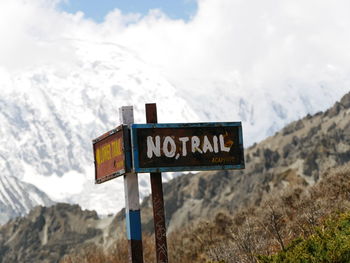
<point x="187" y="147"/>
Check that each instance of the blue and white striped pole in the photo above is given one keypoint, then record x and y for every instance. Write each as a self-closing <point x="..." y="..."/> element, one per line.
<point x="132" y="201"/>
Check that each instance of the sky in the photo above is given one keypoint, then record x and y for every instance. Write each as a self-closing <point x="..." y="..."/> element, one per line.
<point x="233" y="44"/>
<point x="97" y="10"/>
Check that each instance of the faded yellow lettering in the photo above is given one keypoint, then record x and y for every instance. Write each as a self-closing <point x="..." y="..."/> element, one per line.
<point x="116" y="148"/>
<point x="98" y="157"/>
<point x="105" y="153"/>
<point x="109" y="151"/>
<point x="120" y="165"/>
<point x="222" y="159"/>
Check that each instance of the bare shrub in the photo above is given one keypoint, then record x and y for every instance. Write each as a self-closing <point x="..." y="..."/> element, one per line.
<point x="280" y="218"/>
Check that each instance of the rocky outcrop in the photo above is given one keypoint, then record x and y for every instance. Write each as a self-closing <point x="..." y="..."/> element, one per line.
<point x="48" y="233"/>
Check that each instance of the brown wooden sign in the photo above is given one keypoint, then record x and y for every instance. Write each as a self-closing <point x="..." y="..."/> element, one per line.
<point x="187" y="147"/>
<point x="112" y="154"/>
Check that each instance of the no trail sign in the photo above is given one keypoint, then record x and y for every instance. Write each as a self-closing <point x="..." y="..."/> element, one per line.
<point x="187" y="147"/>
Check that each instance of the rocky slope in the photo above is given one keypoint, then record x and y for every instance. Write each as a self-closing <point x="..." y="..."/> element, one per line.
<point x="48" y="233"/>
<point x="297" y="155"/>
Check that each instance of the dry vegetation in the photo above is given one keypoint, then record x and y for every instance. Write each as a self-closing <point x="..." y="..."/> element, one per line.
<point x="118" y="253"/>
<point x="254" y="231"/>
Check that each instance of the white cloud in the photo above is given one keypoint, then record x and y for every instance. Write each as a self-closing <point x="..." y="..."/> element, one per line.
<point x="27" y="29"/>
<point x="224" y="36"/>
<point x="253" y="38"/>
<point x="261" y="50"/>
<point x="256" y="49"/>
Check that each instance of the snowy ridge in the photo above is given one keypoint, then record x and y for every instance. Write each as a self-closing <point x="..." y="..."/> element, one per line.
<point x="49" y="115"/>
<point x="17" y="198"/>
<point x="263" y="110"/>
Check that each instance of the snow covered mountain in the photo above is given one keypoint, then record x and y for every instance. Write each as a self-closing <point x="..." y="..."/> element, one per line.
<point x="18" y="198"/>
<point x="263" y="108"/>
<point x="50" y="113"/>
<point x="49" y="116"/>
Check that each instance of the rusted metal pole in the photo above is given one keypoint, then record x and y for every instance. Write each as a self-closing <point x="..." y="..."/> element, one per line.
<point x="157" y="199"/>
<point x="132" y="201"/>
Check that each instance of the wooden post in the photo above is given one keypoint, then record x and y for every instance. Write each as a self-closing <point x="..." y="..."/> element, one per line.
<point x="132" y="201"/>
<point x="157" y="200"/>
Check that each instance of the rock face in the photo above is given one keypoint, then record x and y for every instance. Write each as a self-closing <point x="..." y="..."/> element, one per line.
<point x="297" y="155"/>
<point x="48" y="233"/>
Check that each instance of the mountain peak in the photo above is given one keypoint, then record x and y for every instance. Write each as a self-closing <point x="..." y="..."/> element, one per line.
<point x="17" y="198"/>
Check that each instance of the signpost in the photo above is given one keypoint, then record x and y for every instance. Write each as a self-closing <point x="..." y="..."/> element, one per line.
<point x="187" y="147"/>
<point x="156" y="148"/>
<point x="112" y="154"/>
<point x="157" y="200"/>
<point x="132" y="201"/>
